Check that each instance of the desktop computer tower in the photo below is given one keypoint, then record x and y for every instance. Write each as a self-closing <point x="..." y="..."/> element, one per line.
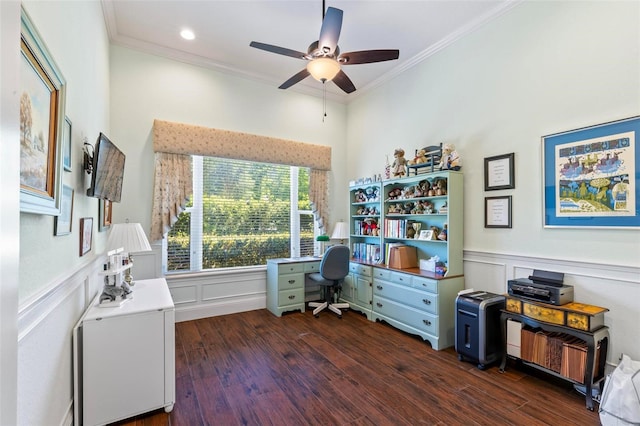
<point x="478" y="331"/>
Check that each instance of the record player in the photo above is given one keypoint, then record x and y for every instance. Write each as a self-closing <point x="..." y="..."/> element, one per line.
<point x="542" y="286"/>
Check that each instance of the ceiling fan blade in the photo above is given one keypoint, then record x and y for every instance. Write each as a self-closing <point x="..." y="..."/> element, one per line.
<point x="330" y="31"/>
<point x="279" y="50"/>
<point x="368" y="56"/>
<point x="295" y="79"/>
<point x="342" y="81"/>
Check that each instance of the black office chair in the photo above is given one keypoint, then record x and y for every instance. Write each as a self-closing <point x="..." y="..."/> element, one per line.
<point x="333" y="269"/>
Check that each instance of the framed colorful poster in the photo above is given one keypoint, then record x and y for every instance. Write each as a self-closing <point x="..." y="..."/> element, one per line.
<point x="42" y="100"/>
<point x="590" y="176"/>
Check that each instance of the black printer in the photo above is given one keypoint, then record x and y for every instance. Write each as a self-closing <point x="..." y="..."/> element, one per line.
<point x="542" y="286"/>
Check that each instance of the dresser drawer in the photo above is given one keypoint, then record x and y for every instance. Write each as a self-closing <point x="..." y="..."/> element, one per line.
<point x="290" y="297"/>
<point x="426" y="284"/>
<point x="290" y="268"/>
<point x="311" y="267"/>
<point x="286" y="282"/>
<point x="425" y="301"/>
<point x="400" y="278"/>
<point x="415" y="318"/>
<point x="356" y="268"/>
<point x="381" y="273"/>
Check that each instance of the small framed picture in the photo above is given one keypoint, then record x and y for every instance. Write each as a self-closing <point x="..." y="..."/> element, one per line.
<point x="426" y="234"/>
<point x="105" y="210"/>
<point x="62" y="223"/>
<point x="66" y="145"/>
<point x="86" y="235"/>
<point x="497" y="212"/>
<point x="499" y="172"/>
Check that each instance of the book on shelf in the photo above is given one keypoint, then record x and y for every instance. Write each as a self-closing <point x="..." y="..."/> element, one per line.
<point x="365" y="252"/>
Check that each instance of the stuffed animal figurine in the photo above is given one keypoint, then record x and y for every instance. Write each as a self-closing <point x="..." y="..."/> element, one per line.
<point x="398" y="168"/>
<point x="450" y="158"/>
<point x="420" y="158"/>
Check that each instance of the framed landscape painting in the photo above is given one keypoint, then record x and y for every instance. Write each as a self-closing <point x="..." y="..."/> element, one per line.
<point x="590" y="176"/>
<point x="42" y="100"/>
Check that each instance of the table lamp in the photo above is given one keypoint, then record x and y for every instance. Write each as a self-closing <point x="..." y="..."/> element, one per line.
<point x="340" y="232"/>
<point x="132" y="239"/>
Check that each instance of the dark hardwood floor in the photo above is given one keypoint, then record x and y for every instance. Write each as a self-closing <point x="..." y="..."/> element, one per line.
<point x="253" y="368"/>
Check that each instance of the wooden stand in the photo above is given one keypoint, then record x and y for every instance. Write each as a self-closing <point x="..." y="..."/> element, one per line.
<point x="593" y="374"/>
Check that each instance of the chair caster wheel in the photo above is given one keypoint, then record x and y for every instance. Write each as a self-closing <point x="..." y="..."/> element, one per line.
<point x="339" y="316"/>
<point x="481" y="367"/>
<point x="316" y="316"/>
<point x="460" y="357"/>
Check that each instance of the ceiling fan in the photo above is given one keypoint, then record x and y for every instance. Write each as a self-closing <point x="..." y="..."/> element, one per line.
<point x="324" y="55"/>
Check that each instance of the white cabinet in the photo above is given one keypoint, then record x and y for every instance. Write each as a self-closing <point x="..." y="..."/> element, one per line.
<point x="357" y="288"/>
<point x="125" y="356"/>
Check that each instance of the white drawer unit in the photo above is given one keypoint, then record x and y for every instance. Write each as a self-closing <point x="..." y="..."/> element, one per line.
<point x="286" y="283"/>
<point x="124" y="356"/>
<point x="417" y="304"/>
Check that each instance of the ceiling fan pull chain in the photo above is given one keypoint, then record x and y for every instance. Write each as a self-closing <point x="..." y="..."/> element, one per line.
<point x="324" y="100"/>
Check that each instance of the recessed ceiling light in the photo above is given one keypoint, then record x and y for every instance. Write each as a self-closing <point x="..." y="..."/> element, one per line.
<point x="187" y="34"/>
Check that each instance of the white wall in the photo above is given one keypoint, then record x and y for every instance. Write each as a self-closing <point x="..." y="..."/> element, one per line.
<point x="541" y="68"/>
<point x="75" y="34"/>
<point x="146" y="87"/>
<point x="55" y="283"/>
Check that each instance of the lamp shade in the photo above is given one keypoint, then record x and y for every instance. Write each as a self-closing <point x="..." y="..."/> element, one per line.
<point x="340" y="231"/>
<point x="129" y="236"/>
<point x="323" y="69"/>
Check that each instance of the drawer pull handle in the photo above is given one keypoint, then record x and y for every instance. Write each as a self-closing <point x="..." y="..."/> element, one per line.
<point x="292" y="297"/>
<point x="426" y="301"/>
<point x="427" y="322"/>
<point x="379" y="287"/>
<point x="379" y="305"/>
<point x="292" y="281"/>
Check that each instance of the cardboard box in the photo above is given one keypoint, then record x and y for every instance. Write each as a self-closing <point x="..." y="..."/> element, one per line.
<point x="403" y="257"/>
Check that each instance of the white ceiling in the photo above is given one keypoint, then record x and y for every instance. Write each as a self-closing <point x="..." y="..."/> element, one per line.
<point x="224" y="29"/>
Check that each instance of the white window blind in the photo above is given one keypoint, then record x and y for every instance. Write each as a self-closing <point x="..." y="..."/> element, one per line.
<point x="241" y="214"/>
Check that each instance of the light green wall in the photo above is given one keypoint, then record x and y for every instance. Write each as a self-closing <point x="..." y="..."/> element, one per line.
<point x="542" y="68"/>
<point x="146" y="87"/>
<point x="75" y="34"/>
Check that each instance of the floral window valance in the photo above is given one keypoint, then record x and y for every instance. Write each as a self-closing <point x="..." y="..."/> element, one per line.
<point x="174" y="143"/>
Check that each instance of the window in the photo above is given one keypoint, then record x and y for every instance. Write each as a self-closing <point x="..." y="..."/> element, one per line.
<point x="241" y="214"/>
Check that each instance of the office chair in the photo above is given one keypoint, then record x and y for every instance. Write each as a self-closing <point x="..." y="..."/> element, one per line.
<point x="333" y="268"/>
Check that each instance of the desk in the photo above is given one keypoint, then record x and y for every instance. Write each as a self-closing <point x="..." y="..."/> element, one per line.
<point x="285" y="283"/>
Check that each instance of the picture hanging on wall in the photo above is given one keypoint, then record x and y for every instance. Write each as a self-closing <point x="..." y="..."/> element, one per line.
<point x="497" y="212"/>
<point x="105" y="210"/>
<point x="499" y="172"/>
<point x="66" y="156"/>
<point x="62" y="223"/>
<point x="42" y="100"/>
<point x="589" y="176"/>
<point x="86" y="235"/>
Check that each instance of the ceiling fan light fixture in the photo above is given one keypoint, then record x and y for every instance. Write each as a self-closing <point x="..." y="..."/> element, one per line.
<point x="323" y="69"/>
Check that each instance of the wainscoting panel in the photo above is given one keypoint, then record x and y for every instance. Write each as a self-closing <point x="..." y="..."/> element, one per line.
<point x="614" y="287"/>
<point x="45" y="321"/>
<point x="218" y="292"/>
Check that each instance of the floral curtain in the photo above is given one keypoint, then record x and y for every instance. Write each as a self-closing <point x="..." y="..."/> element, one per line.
<point x="177" y="142"/>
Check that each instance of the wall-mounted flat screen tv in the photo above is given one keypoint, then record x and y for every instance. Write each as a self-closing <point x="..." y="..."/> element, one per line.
<point x="108" y="171"/>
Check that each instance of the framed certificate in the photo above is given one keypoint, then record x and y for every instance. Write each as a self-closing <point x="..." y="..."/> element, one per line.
<point x="499" y="172"/>
<point x="497" y="212"/>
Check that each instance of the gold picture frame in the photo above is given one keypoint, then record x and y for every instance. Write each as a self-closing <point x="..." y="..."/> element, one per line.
<point x="42" y="119"/>
<point x="105" y="212"/>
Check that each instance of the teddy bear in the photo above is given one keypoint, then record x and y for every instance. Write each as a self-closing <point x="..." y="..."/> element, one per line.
<point x="398" y="168"/>
<point x="359" y="196"/>
<point x="420" y="158"/>
<point x="450" y="159"/>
